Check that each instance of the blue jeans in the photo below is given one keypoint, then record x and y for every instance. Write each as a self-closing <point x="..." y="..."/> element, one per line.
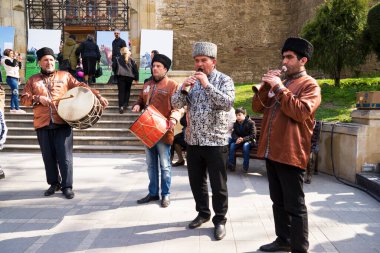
<point x="246" y="149"/>
<point x="159" y="155"/>
<point x="13" y="83"/>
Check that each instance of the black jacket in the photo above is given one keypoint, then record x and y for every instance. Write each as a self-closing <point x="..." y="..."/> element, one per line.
<point x="117" y="44"/>
<point x="88" y="48"/>
<point x="247" y="131"/>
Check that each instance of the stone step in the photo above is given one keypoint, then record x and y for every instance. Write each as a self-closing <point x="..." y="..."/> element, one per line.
<point x="109" y="135"/>
<point x="370" y="181"/>
<point x="99" y="124"/>
<point x="121" y="132"/>
<point x="80" y="140"/>
<point x="127" y="116"/>
<point x="113" y="101"/>
<point x="80" y="149"/>
<point x="109" y="109"/>
<point x="108" y="95"/>
<point x="100" y="87"/>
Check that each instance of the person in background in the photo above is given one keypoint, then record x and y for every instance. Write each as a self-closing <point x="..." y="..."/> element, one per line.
<point x="288" y="109"/>
<point x="90" y="54"/>
<point x="208" y="102"/>
<point x="179" y="143"/>
<point x="68" y="52"/>
<point x="12" y="66"/>
<point x="54" y="135"/>
<point x="127" y="72"/>
<point x="117" y="44"/>
<point x="243" y="135"/>
<point x="3" y="126"/>
<point x="1" y="78"/>
<point x="158" y="92"/>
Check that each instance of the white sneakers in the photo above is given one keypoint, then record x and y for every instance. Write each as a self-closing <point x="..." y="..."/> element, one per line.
<point x="17" y="111"/>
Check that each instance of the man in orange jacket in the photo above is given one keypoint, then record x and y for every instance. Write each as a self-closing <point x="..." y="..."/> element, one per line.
<point x="54" y="135"/>
<point x="289" y="108"/>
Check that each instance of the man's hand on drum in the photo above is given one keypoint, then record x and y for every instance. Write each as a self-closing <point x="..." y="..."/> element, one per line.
<point x="136" y="108"/>
<point x="45" y="101"/>
<point x="103" y="101"/>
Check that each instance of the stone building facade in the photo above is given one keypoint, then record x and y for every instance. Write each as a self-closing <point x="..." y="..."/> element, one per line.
<point x="249" y="33"/>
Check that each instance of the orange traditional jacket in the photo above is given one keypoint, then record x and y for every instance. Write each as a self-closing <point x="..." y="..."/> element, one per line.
<point x="38" y="85"/>
<point x="287" y="127"/>
<point x="160" y="97"/>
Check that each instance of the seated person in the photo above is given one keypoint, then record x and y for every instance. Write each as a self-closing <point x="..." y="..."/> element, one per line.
<point x="179" y="144"/>
<point x="243" y="135"/>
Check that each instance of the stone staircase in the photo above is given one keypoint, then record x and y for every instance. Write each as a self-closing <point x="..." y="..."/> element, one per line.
<point x="109" y="135"/>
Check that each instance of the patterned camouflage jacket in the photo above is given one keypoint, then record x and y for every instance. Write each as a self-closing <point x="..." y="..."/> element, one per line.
<point x="207" y="110"/>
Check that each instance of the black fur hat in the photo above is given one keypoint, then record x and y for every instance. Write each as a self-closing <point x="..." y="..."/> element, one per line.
<point x="299" y="46"/>
<point x="44" y="51"/>
<point x="163" y="59"/>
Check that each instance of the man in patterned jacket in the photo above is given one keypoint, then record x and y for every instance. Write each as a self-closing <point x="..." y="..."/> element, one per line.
<point x="211" y="96"/>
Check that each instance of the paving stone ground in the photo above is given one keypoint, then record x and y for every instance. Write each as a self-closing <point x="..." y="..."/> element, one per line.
<point x="104" y="216"/>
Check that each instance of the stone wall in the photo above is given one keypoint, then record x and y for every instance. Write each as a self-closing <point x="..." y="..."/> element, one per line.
<point x="248" y="33"/>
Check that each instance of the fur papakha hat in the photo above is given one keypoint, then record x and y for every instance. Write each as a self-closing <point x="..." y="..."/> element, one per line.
<point x="163" y="59"/>
<point x="44" y="51"/>
<point x="205" y="48"/>
<point x="299" y="46"/>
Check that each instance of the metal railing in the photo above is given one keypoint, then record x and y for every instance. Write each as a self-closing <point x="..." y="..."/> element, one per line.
<point x="100" y="14"/>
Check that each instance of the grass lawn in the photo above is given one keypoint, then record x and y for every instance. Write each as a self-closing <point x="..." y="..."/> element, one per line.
<point x="337" y="102"/>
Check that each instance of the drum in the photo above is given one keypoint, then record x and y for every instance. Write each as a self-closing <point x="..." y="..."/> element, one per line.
<point x="81" y="111"/>
<point x="150" y="127"/>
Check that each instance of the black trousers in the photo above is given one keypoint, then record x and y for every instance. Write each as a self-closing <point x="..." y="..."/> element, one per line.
<point x="212" y="160"/>
<point x="289" y="209"/>
<point x="56" y="146"/>
<point x="124" y="84"/>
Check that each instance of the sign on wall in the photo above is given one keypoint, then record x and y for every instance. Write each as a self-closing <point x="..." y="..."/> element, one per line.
<point x="7" y="38"/>
<point x="38" y="38"/>
<point x="160" y="40"/>
<point x="7" y="35"/>
<point x="104" y="40"/>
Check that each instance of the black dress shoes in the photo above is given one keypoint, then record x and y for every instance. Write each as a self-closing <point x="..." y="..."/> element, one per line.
<point x="52" y="189"/>
<point x="165" y="201"/>
<point x="68" y="192"/>
<point x="276" y="245"/>
<point x="198" y="221"/>
<point x="219" y="231"/>
<point x="121" y="110"/>
<point x="147" y="199"/>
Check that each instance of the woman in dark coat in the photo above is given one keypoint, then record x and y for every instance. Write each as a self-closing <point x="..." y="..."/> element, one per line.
<point x="126" y="70"/>
<point x="90" y="54"/>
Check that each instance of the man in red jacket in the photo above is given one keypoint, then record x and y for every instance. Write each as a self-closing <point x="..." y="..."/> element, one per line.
<point x="289" y="108"/>
<point x="157" y="92"/>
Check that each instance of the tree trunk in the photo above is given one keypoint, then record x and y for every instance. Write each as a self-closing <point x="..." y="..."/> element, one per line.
<point x="338" y="71"/>
<point x="337" y="81"/>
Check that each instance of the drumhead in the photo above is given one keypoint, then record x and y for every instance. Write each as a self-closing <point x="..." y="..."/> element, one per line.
<point x="73" y="109"/>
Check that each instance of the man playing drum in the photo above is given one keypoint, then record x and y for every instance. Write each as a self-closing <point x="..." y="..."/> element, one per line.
<point x="157" y="92"/>
<point x="55" y="136"/>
